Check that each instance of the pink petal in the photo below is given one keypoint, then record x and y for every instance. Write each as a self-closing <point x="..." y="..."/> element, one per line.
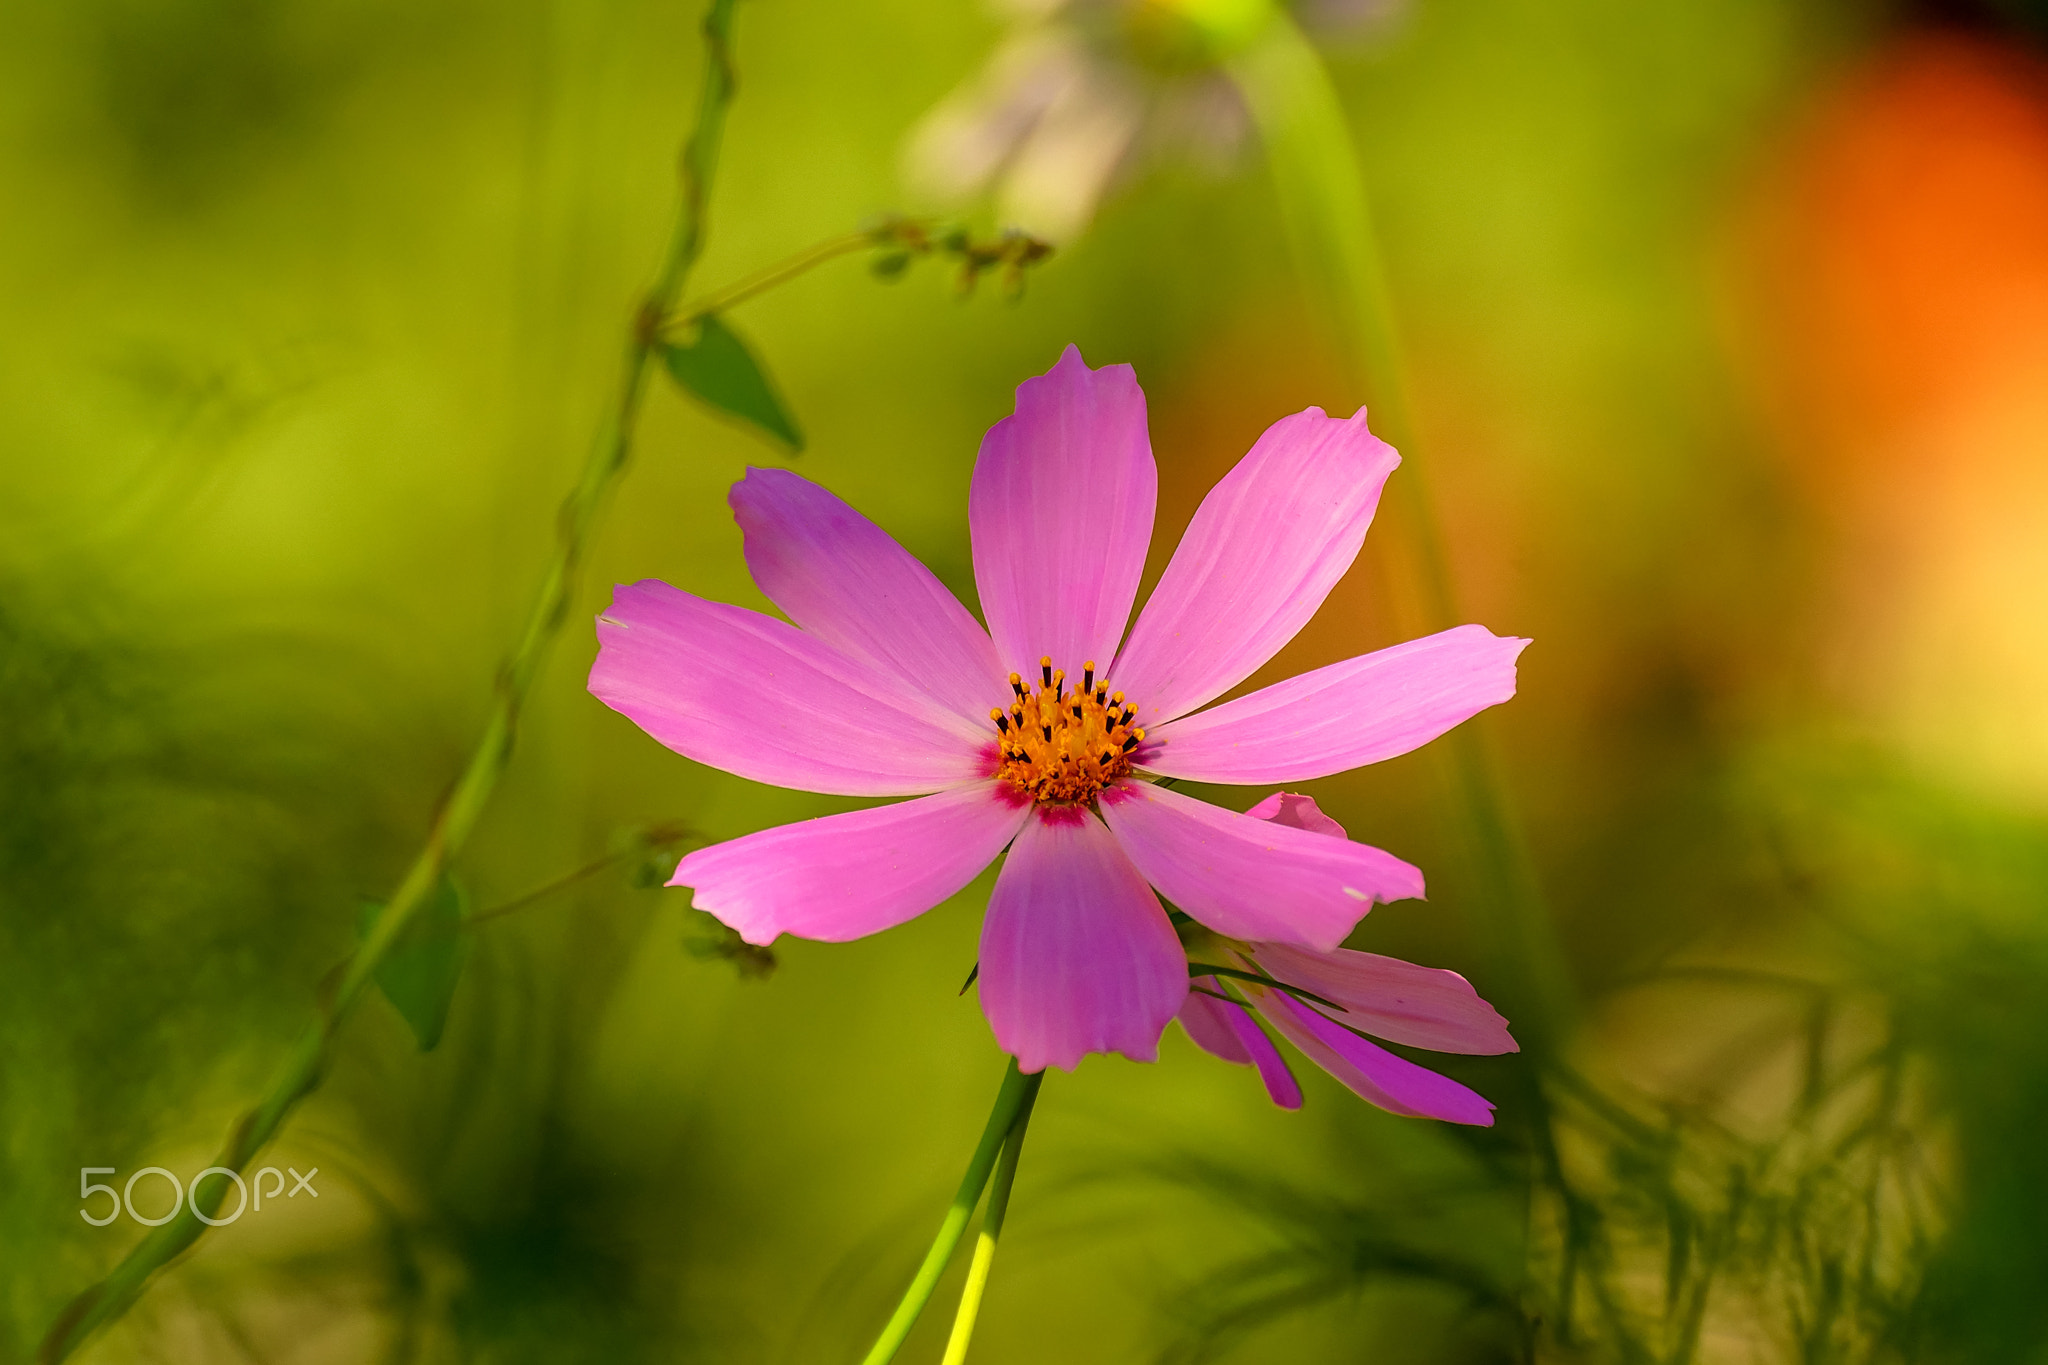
<point x="1076" y="955"/>
<point x="1204" y="1018"/>
<point x="1264" y="550"/>
<point x="1252" y="879"/>
<point x="1373" y="1073"/>
<point x="757" y="697"/>
<point x="1297" y="812"/>
<point x="1344" y="716"/>
<point x="1420" y="1006"/>
<point x="847" y="583"/>
<point x="847" y="876"/>
<point x="1281" y="1086"/>
<point x="1388" y="998"/>
<point x="1061" y="511"/>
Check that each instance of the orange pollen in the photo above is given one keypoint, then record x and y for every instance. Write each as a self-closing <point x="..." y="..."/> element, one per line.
<point x="1059" y="746"/>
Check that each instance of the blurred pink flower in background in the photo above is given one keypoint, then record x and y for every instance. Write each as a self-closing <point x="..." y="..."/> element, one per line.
<point x="886" y="686"/>
<point x="1423" y="1007"/>
<point x="1080" y="94"/>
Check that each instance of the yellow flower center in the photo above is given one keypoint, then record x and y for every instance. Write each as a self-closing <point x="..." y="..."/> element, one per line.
<point x="1061" y="747"/>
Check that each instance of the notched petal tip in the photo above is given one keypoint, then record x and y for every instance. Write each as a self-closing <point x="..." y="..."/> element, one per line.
<point x="1070" y="1062"/>
<point x="752" y="930"/>
<point x="1405" y="883"/>
<point x="1520" y="643"/>
<point x="755" y="475"/>
<point x="1072" y="378"/>
<point x="1358" y="419"/>
<point x="1060" y="508"/>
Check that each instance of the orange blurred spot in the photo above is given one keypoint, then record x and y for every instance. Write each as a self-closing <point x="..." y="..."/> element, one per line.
<point x="1905" y="249"/>
<point x="1902" y="330"/>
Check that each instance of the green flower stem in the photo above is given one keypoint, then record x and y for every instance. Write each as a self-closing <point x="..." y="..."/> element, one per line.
<point x="1321" y="192"/>
<point x="1015" y="1098"/>
<point x="991" y="1229"/>
<point x="466" y="802"/>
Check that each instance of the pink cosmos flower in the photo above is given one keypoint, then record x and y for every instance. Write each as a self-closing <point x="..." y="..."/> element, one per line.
<point x="1365" y="993"/>
<point x="1038" y="734"/>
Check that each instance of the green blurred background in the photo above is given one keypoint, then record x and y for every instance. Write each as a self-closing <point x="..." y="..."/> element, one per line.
<point x="1727" y="326"/>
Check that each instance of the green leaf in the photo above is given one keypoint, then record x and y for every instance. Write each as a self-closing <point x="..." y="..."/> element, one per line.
<point x="719" y="369"/>
<point x="419" y="973"/>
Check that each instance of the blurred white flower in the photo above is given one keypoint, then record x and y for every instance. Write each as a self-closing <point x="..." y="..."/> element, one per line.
<point x="1081" y="94"/>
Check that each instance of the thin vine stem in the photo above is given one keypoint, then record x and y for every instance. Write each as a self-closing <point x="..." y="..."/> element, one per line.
<point x="1018" y="1092"/>
<point x="466" y="802"/>
<point x="783" y="271"/>
<point x="991" y="1229"/>
<point x="900" y="239"/>
<point x="649" y="841"/>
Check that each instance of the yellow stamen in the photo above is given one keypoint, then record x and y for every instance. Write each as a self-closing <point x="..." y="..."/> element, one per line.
<point x="1060" y="747"/>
